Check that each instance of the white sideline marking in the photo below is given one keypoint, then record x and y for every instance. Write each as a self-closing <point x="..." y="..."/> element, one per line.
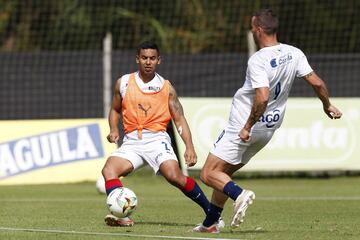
<point x="109" y="234"/>
<point x="52" y="200"/>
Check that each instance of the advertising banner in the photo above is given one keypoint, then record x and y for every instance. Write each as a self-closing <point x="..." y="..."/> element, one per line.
<point x="52" y="151"/>
<point x="307" y="139"/>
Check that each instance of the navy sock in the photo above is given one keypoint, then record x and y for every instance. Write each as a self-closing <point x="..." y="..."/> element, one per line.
<point x="213" y="215"/>
<point x="232" y="190"/>
<point x="194" y="192"/>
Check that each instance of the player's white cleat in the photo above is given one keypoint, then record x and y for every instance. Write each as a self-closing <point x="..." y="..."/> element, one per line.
<point x="241" y="204"/>
<point x="212" y="229"/>
<point x="114" y="221"/>
<point x="215" y="228"/>
<point x="220" y="223"/>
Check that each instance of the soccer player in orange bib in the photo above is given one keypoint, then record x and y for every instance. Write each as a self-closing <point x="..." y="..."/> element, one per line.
<point x="147" y="103"/>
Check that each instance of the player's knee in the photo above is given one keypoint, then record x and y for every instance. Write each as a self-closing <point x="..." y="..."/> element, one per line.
<point x="171" y="178"/>
<point x="176" y="179"/>
<point x="106" y="172"/>
<point x="204" y="176"/>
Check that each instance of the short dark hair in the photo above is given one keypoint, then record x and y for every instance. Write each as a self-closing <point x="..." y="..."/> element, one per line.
<point x="267" y="19"/>
<point x="148" y="45"/>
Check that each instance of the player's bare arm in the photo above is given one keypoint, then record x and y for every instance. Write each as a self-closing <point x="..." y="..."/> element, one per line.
<point x="177" y="114"/>
<point x="261" y="99"/>
<point x="321" y="91"/>
<point x="114" y="114"/>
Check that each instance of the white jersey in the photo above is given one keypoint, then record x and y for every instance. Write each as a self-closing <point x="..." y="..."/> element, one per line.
<point x="275" y="67"/>
<point x="154" y="85"/>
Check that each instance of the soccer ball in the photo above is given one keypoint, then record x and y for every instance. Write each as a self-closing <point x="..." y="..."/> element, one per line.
<point x="100" y="185"/>
<point x="121" y="202"/>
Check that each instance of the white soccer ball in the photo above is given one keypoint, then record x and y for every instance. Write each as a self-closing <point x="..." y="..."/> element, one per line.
<point x="100" y="185"/>
<point x="121" y="202"/>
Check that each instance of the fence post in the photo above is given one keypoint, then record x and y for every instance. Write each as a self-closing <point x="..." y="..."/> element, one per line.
<point x="107" y="50"/>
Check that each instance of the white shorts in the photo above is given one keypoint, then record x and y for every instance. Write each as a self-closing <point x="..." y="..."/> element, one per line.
<point x="154" y="150"/>
<point x="230" y="148"/>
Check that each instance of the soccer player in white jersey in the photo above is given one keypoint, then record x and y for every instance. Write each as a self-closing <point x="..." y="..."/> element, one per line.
<point x="257" y="111"/>
<point x="147" y="102"/>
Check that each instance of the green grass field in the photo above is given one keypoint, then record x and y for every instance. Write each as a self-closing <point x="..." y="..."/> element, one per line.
<point x="283" y="209"/>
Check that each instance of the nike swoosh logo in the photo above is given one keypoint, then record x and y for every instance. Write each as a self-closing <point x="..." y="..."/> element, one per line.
<point x="197" y="196"/>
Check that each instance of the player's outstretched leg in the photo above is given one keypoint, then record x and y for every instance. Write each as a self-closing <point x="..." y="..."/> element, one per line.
<point x="193" y="191"/>
<point x="172" y="172"/>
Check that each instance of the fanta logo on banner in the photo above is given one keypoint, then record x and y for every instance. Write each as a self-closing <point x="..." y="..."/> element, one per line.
<point x="49" y="149"/>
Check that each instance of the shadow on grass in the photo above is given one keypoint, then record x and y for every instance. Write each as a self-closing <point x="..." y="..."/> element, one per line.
<point x="239" y="231"/>
<point x="166" y="224"/>
<point x="226" y="230"/>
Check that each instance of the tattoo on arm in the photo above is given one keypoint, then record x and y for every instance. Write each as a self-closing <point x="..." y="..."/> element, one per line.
<point x="178" y="110"/>
<point x="175" y="105"/>
<point x="261" y="99"/>
<point x="256" y="112"/>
